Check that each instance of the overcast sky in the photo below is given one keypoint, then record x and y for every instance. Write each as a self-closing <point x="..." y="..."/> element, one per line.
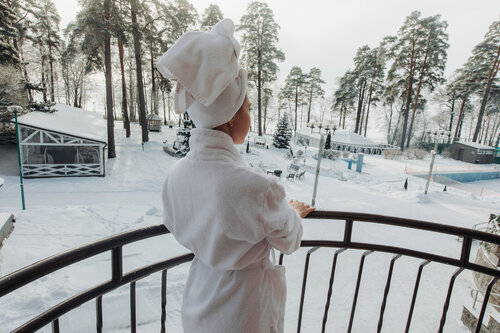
<point x="326" y="34"/>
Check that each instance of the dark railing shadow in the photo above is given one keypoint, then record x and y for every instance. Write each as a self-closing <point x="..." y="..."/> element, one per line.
<point x="114" y="244"/>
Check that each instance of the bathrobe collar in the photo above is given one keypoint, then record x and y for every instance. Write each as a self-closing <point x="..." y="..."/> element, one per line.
<point x="210" y="144"/>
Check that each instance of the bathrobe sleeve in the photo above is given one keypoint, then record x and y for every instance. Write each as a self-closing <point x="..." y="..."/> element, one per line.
<point x="282" y="224"/>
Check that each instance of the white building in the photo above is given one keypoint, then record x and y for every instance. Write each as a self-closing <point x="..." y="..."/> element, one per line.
<point x="341" y="140"/>
<point x="68" y="142"/>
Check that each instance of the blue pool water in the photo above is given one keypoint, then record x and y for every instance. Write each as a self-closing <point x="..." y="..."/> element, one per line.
<point x="467" y="177"/>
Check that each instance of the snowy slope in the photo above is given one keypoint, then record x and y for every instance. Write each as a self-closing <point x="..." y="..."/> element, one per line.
<point x="63" y="213"/>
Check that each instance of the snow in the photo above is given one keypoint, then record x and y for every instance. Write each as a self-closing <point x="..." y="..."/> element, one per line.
<point x="68" y="120"/>
<point x="343" y="137"/>
<point x="476" y="145"/>
<point x="63" y="213"/>
<point x="1" y="182"/>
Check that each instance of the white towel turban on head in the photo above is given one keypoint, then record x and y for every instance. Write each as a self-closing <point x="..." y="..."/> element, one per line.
<point x="211" y="85"/>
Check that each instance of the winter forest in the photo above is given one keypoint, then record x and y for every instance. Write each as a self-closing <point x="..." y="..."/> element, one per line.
<point x="119" y="42"/>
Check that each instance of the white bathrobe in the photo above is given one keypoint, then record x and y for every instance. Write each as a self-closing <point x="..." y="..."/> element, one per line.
<point x="231" y="217"/>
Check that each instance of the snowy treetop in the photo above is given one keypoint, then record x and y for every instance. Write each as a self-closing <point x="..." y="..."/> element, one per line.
<point x="70" y="121"/>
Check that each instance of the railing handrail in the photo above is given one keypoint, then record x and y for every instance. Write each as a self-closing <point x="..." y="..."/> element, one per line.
<point x="114" y="243"/>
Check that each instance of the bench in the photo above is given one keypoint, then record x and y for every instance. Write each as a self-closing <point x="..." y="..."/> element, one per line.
<point x="260" y="141"/>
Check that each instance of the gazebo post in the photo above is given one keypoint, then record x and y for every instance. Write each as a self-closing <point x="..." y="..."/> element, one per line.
<point x="16" y="109"/>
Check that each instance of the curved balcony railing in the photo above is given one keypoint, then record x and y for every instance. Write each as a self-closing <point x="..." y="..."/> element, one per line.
<point x="114" y="244"/>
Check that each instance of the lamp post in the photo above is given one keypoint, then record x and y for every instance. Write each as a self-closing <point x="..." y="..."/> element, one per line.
<point x="436" y="136"/>
<point x="16" y="109"/>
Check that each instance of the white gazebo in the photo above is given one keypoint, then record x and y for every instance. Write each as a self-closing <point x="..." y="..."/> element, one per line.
<point x="67" y="142"/>
<point x="341" y="140"/>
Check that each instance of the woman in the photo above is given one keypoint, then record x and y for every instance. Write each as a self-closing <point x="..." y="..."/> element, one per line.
<point x="229" y="215"/>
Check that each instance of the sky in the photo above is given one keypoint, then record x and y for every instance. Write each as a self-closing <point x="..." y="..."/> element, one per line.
<point x="326" y="34"/>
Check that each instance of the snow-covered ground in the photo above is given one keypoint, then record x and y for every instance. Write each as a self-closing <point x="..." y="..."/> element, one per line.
<point x="63" y="213"/>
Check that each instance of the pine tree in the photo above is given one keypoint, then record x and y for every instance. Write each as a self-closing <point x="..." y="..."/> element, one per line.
<point x="210" y="17"/>
<point x="259" y="43"/>
<point x="344" y="97"/>
<point x="294" y="90"/>
<point x="328" y="142"/>
<point x="486" y="56"/>
<point x="313" y="88"/>
<point x="283" y="133"/>
<point x="8" y="33"/>
<point x="419" y="55"/>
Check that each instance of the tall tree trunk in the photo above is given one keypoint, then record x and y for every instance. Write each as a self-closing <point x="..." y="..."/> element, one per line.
<point x="154" y="87"/>
<point x="368" y="104"/>
<point x="491" y="77"/>
<point x="360" y="106"/>
<point x="164" y="108"/>
<point x="140" y="84"/>
<point x="126" y="120"/>
<point x="259" y="91"/>
<point x="389" y="126"/>
<point x="296" y="106"/>
<point x="109" y="89"/>
<point x="458" y="129"/>
<point x="452" y="113"/>
<point x="408" y="95"/>
<point x="310" y="104"/>
<point x="51" y="67"/>
<point x="44" y="85"/>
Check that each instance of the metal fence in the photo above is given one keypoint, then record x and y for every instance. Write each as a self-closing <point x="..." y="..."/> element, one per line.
<point x="114" y="244"/>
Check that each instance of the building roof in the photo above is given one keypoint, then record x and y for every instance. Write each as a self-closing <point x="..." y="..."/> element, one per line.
<point x="342" y="137"/>
<point x="476" y="145"/>
<point x="153" y="116"/>
<point x="70" y="121"/>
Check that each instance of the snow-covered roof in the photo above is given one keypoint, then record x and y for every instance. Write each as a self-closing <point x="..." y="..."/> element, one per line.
<point x="153" y="116"/>
<point x="342" y="137"/>
<point x="475" y="145"/>
<point x="70" y="121"/>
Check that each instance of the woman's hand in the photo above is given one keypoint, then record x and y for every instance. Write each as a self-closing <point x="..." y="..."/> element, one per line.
<point x="301" y="208"/>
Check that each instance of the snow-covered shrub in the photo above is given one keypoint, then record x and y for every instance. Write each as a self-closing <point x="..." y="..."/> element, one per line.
<point x="331" y="154"/>
<point x="345" y="154"/>
<point x="415" y="154"/>
<point x="392" y="154"/>
<point x="12" y="91"/>
<point x="493" y="228"/>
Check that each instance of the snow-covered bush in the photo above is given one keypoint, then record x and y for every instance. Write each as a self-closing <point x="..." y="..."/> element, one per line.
<point x="494" y="228"/>
<point x="392" y="154"/>
<point x="12" y="91"/>
<point x="415" y="154"/>
<point x="331" y="154"/>
<point x="345" y="154"/>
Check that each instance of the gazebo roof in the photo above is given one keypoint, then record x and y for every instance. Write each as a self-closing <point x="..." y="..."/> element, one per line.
<point x="70" y="121"/>
<point x="153" y="116"/>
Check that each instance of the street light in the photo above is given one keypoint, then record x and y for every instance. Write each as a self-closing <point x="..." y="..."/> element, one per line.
<point x="435" y="135"/>
<point x="16" y="109"/>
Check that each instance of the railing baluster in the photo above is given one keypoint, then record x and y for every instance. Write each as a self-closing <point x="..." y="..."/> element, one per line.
<point x="116" y="264"/>
<point x="133" y="322"/>
<point x="356" y="292"/>
<point x="330" y="288"/>
<point x="386" y="292"/>
<point x="448" y="297"/>
<point x="99" y="314"/>
<point x="466" y="246"/>
<point x="163" y="300"/>
<point x="304" y="281"/>
<point x="415" y="290"/>
<point x="485" y="302"/>
<point x="348" y="232"/>
<point x="55" y="326"/>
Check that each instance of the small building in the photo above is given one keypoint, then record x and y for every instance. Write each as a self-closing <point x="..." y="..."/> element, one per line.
<point x="67" y="142"/>
<point x="473" y="152"/>
<point x="341" y="140"/>
<point x="154" y="122"/>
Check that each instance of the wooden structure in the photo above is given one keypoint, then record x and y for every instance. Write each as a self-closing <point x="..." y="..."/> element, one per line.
<point x="68" y="142"/>
<point x="472" y="152"/>
<point x="154" y="122"/>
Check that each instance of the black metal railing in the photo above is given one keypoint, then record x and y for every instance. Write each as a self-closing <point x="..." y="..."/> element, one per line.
<point x="26" y="275"/>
